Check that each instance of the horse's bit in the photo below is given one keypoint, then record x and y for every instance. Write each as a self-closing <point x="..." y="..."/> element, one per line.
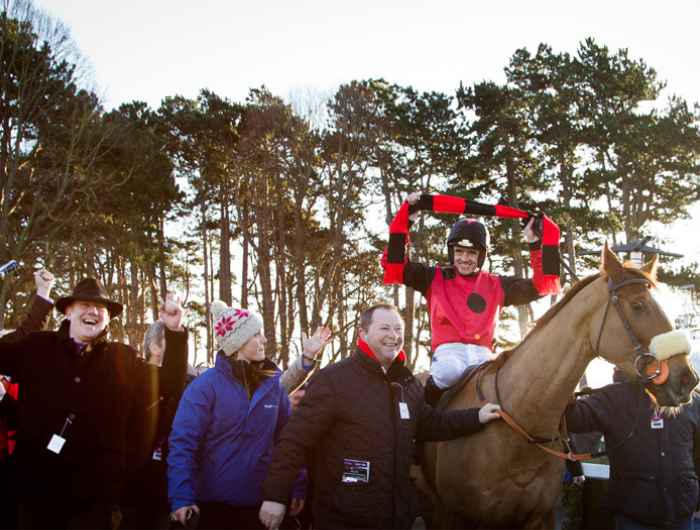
<point x="643" y="357"/>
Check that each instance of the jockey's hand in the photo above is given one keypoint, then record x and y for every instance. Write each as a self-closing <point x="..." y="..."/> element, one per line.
<point x="579" y="480"/>
<point x="271" y="514"/>
<point x="489" y="412"/>
<point x="529" y="231"/>
<point x="413" y="198"/>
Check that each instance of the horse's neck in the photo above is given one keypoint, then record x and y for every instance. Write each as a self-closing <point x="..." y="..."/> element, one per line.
<point x="538" y="380"/>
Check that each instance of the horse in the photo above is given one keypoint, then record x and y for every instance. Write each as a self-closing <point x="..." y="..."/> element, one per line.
<point x="495" y="478"/>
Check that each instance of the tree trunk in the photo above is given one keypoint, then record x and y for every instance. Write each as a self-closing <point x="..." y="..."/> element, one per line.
<point x="207" y="298"/>
<point x="225" y="255"/>
<point x="161" y="258"/>
<point x="245" y="258"/>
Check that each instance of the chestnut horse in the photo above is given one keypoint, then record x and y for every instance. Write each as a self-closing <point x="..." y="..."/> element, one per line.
<point x="496" y="479"/>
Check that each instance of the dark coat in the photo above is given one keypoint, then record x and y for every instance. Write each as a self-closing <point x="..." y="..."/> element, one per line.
<point x="652" y="471"/>
<point x="101" y="391"/>
<point x="35" y="320"/>
<point x="148" y="485"/>
<point x="351" y="412"/>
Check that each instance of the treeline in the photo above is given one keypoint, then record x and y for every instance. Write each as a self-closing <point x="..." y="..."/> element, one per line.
<point x="284" y="205"/>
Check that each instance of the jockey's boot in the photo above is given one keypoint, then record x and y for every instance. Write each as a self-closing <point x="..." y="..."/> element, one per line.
<point x="432" y="392"/>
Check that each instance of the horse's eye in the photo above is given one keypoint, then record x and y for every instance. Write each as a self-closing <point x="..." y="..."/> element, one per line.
<point x="638" y="306"/>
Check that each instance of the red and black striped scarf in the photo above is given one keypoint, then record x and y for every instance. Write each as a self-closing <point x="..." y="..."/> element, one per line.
<point x="398" y="233"/>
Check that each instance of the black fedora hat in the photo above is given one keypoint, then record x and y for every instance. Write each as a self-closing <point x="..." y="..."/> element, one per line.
<point x="90" y="290"/>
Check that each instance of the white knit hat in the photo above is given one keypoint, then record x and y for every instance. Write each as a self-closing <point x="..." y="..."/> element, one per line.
<point x="233" y="327"/>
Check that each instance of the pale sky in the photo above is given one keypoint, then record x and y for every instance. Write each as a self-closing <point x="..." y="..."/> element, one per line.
<point x="150" y="49"/>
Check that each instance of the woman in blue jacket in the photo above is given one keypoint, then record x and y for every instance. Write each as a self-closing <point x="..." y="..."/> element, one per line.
<point x="225" y="427"/>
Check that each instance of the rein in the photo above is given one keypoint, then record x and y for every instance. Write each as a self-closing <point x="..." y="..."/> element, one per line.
<point x="574" y="457"/>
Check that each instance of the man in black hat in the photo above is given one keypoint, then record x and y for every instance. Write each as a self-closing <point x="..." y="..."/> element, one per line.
<point x="83" y="413"/>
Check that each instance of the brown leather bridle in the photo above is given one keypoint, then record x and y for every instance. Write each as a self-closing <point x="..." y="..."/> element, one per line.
<point x="643" y="356"/>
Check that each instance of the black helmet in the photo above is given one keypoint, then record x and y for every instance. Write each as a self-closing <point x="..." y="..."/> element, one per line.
<point x="469" y="233"/>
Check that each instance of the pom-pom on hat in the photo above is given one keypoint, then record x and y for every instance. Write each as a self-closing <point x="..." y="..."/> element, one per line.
<point x="233" y="327"/>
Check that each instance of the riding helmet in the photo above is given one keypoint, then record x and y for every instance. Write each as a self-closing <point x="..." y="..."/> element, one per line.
<point x="468" y="233"/>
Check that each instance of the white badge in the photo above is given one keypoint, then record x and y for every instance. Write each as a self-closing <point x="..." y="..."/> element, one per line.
<point x="403" y="411"/>
<point x="355" y="471"/>
<point x="657" y="422"/>
<point x="56" y="444"/>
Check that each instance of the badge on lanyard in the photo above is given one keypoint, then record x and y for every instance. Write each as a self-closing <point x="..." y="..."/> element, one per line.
<point x="56" y="444"/>
<point x="657" y="422"/>
<point x="403" y="411"/>
<point x="355" y="471"/>
<point x="57" y="441"/>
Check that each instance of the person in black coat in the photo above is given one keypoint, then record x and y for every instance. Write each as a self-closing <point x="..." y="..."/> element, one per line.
<point x="165" y="350"/>
<point x="359" y="421"/>
<point x="80" y="405"/>
<point x="654" y="456"/>
<point x="36" y="319"/>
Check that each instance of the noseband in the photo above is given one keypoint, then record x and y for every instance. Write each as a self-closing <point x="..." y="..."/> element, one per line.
<point x="643" y="356"/>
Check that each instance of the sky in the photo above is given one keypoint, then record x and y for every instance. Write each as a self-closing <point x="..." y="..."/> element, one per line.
<point x="149" y="49"/>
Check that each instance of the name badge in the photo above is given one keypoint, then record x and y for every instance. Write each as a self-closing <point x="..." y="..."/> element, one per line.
<point x="403" y="411"/>
<point x="355" y="471"/>
<point x="657" y="422"/>
<point x="56" y="444"/>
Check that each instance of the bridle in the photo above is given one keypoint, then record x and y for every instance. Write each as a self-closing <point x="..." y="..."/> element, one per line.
<point x="643" y="356"/>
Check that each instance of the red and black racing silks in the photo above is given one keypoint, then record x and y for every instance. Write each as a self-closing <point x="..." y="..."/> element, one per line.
<point x="545" y="260"/>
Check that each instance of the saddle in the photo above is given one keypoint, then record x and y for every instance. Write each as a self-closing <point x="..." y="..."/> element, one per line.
<point x="455" y="389"/>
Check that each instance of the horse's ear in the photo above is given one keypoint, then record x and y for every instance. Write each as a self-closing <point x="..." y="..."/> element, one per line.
<point x="612" y="266"/>
<point x="652" y="266"/>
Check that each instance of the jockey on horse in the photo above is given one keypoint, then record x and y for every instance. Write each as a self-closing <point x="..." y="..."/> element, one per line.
<point x="464" y="301"/>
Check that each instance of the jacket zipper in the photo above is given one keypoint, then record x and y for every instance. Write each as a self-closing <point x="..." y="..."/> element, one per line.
<point x="394" y="405"/>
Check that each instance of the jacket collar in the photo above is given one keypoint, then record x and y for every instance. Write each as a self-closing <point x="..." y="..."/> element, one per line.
<point x="364" y="348"/>
<point x="368" y="359"/>
<point x="223" y="363"/>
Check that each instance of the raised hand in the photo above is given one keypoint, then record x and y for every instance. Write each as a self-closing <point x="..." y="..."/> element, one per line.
<point x="529" y="231"/>
<point x="172" y="312"/>
<point x="313" y="346"/>
<point x="44" y="282"/>
<point x="412" y="198"/>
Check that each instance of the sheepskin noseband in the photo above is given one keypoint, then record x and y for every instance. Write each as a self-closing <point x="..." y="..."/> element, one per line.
<point x="668" y="344"/>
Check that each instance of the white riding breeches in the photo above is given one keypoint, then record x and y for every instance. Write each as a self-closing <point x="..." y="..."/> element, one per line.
<point x="453" y="358"/>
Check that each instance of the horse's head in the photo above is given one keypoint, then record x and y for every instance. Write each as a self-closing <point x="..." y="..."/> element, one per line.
<point x="623" y="329"/>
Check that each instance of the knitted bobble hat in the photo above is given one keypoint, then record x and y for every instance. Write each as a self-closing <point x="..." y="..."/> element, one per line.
<point x="233" y="327"/>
